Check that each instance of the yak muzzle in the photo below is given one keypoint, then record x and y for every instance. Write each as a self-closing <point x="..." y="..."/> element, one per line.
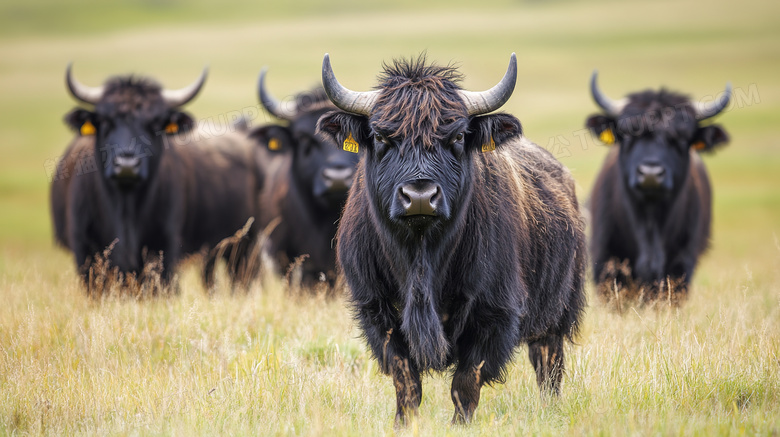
<point x="419" y="198"/>
<point x="127" y="167"/>
<point x="650" y="176"/>
<point x="338" y="178"/>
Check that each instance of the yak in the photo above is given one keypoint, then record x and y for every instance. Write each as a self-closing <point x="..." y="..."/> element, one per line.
<point x="651" y="202"/>
<point x="135" y="182"/>
<point x="460" y="239"/>
<point x="306" y="184"/>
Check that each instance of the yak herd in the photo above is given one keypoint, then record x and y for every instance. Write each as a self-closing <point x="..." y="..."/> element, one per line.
<point x="457" y="238"/>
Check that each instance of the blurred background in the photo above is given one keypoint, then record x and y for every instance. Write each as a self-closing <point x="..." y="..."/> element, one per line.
<point x="692" y="46"/>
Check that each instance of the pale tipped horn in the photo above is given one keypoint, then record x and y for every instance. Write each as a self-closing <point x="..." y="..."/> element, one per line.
<point x="711" y="109"/>
<point x="180" y="97"/>
<point x="273" y="106"/>
<point x="86" y="94"/>
<point x="611" y="107"/>
<point x="351" y="101"/>
<point x="492" y="99"/>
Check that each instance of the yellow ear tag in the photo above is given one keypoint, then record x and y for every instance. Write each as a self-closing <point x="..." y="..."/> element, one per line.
<point x="489" y="147"/>
<point x="699" y="145"/>
<point x="87" y="128"/>
<point x="172" y="128"/>
<point x="274" y="144"/>
<point x="350" y="145"/>
<point x="607" y="137"/>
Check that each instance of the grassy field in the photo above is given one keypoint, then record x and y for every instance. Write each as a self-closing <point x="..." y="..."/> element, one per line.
<point x="267" y="363"/>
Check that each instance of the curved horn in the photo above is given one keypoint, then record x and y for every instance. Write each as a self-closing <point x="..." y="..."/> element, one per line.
<point x="351" y="101"/>
<point x="176" y="98"/>
<point x="492" y="99"/>
<point x="273" y="106"/>
<point x="86" y="94"/>
<point x="611" y="107"/>
<point x="711" y="109"/>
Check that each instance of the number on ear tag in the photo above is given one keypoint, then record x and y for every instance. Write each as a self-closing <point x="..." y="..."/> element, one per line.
<point x="489" y="147"/>
<point x="350" y="145"/>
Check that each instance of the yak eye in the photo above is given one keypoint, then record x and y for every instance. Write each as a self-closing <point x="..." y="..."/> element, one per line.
<point x="379" y="138"/>
<point x="457" y="138"/>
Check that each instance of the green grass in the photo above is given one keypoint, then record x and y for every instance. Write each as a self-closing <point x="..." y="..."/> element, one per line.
<point x="266" y="363"/>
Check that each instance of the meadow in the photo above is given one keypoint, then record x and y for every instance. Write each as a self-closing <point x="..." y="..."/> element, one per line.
<point x="269" y="363"/>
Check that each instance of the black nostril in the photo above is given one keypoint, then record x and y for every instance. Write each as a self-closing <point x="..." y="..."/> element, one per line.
<point x="436" y="196"/>
<point x="406" y="201"/>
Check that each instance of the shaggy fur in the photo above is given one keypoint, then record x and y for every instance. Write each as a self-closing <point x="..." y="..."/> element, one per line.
<point x="416" y="100"/>
<point x="645" y="243"/>
<point x="500" y="264"/>
<point x="191" y="194"/>
<point x="296" y="190"/>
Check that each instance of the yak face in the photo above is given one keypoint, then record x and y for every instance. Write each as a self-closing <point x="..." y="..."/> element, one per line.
<point x="130" y="119"/>
<point x="419" y="144"/>
<point x="655" y="132"/>
<point x="321" y="171"/>
<point x="129" y="124"/>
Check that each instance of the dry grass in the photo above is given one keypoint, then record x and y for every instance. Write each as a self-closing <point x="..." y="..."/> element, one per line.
<point x="270" y="363"/>
<point x="617" y="289"/>
<point x="265" y="362"/>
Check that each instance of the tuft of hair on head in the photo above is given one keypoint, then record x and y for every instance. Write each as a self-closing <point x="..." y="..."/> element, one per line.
<point x="417" y="99"/>
<point x="138" y="84"/>
<point x="417" y="70"/>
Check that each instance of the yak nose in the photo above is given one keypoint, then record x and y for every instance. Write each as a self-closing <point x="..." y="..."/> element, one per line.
<point x="126" y="166"/>
<point x="650" y="175"/>
<point x="338" y="178"/>
<point x="419" y="197"/>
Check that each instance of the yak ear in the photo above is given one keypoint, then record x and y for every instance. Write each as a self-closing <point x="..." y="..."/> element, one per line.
<point x="273" y="137"/>
<point x="708" y="138"/>
<point x="82" y="121"/>
<point x="349" y="131"/>
<point x="488" y="132"/>
<point x="603" y="128"/>
<point x="178" y="122"/>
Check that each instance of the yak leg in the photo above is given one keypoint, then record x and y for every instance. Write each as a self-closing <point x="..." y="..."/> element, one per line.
<point x="208" y="274"/>
<point x="546" y="355"/>
<point x="408" y="389"/>
<point x="466" y="386"/>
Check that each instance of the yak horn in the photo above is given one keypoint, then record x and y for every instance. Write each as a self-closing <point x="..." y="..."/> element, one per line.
<point x="611" y="107"/>
<point x="711" y="109"/>
<point x="492" y="99"/>
<point x="86" y="94"/>
<point x="351" y="101"/>
<point x="274" y="107"/>
<point x="180" y="97"/>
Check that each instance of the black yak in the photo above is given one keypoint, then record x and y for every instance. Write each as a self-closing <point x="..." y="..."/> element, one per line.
<point x="460" y="238"/>
<point x="651" y="203"/>
<point x="306" y="184"/>
<point x="132" y="174"/>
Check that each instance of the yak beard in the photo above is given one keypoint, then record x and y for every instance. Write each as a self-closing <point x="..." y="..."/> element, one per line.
<point x="421" y="325"/>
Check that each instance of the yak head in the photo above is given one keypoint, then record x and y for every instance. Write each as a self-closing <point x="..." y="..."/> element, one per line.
<point x="321" y="171"/>
<point x="418" y="133"/>
<point x="129" y="119"/>
<point x="656" y="133"/>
